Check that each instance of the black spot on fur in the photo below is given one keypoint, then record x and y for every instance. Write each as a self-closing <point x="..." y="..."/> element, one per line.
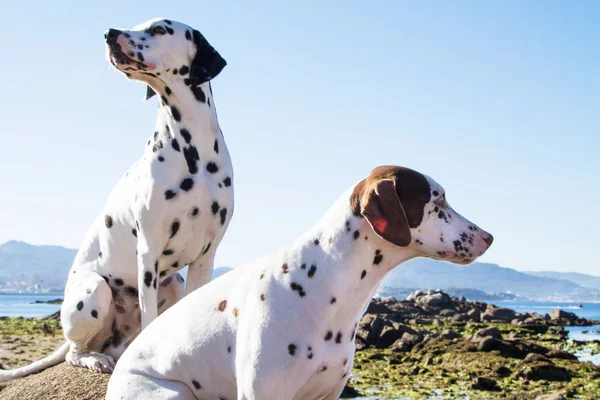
<point x="198" y="93"/>
<point x="162" y="303"/>
<point x="187" y="184"/>
<point x="184" y="70"/>
<point x="378" y="257"/>
<point x="298" y="288"/>
<point x="188" y="35"/>
<point x="316" y="242"/>
<point x="215" y="208"/>
<point x="175" y="265"/>
<point x="197" y="386"/>
<point x="130" y="291"/>
<point x="162" y="274"/>
<point x="175" y="145"/>
<point x="169" y="30"/>
<point x="227" y="182"/>
<point x="140" y="56"/>
<point x="168" y="90"/>
<point x="134" y="232"/>
<point x="174" y="228"/>
<point x="212" y="167"/>
<point x="186" y="135"/>
<point x="117" y="338"/>
<point x="328" y="336"/>
<point x="194" y="211"/>
<point x="80" y="305"/>
<point x="148" y="278"/>
<point x="105" y="278"/>
<point x="292" y="349"/>
<point x="167" y="252"/>
<point x="169" y="194"/>
<point x="94" y="314"/>
<point x="338" y="337"/>
<point x="356" y="234"/>
<point x="118" y="281"/>
<point x="229" y="349"/>
<point x="191" y="157"/>
<point x="363" y="274"/>
<point x="333" y="300"/>
<point x="223" y="214"/>
<point x="108" y="221"/>
<point x="100" y="255"/>
<point x="312" y="270"/>
<point x="176" y="114"/>
<point x="216" y="146"/>
<point x="157" y="146"/>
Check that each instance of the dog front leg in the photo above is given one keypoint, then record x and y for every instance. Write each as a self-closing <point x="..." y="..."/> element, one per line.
<point x="199" y="272"/>
<point x="147" y="281"/>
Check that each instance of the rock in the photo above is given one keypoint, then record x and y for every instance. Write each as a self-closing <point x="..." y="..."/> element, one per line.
<point x="555" y="396"/>
<point x="487" y="332"/>
<point x="498" y="314"/>
<point x="349" y="393"/>
<point x="447" y="313"/>
<point x="474" y="314"/>
<point x="501" y="371"/>
<point x="449" y="334"/>
<point x="516" y="322"/>
<point x="584" y="331"/>
<point x="560" y="314"/>
<point x="437" y="322"/>
<point x="561" y="354"/>
<point x="486" y="384"/>
<point x="504" y="348"/>
<point x="534" y="357"/>
<point x="438" y="299"/>
<point x="545" y="371"/>
<point x="387" y="338"/>
<point x="531" y="320"/>
<point x="460" y="317"/>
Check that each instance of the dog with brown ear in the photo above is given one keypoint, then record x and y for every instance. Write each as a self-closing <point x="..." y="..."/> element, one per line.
<point x="283" y="327"/>
<point x="171" y="209"/>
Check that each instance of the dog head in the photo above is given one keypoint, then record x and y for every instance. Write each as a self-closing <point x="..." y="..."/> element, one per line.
<point x="161" y="50"/>
<point x="409" y="209"/>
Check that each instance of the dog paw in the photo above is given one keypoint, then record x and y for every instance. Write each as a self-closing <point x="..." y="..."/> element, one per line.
<point x="100" y="363"/>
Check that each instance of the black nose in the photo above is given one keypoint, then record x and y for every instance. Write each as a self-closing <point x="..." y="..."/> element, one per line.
<point x="111" y="35"/>
<point x="489" y="239"/>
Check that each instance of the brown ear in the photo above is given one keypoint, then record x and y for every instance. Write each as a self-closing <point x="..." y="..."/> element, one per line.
<point x="382" y="208"/>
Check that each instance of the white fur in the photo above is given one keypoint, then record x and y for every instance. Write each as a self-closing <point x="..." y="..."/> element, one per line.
<point x="286" y="346"/>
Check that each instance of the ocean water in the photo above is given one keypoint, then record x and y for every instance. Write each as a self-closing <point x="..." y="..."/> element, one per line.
<point x="23" y="305"/>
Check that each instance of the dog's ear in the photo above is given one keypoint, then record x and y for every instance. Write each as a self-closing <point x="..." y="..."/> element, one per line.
<point x="384" y="212"/>
<point x="207" y="62"/>
<point x="149" y="92"/>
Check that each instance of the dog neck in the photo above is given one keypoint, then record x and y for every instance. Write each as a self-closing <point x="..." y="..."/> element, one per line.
<point x="350" y="264"/>
<point x="188" y="118"/>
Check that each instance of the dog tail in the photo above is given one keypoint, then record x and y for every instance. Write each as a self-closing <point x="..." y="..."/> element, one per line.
<point x="55" y="358"/>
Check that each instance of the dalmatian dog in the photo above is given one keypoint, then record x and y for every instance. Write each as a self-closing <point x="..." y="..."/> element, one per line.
<point x="283" y="327"/>
<point x="171" y="209"/>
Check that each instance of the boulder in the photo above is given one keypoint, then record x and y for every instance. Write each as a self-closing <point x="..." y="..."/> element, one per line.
<point x="545" y="371"/>
<point x="486" y="332"/>
<point x="435" y="300"/>
<point x="474" y="314"/>
<point x="498" y="314"/>
<point x="486" y="384"/>
<point x="505" y="349"/>
<point x="534" y="357"/>
<point x="560" y="314"/>
<point x="460" y="317"/>
<point x="450" y="334"/>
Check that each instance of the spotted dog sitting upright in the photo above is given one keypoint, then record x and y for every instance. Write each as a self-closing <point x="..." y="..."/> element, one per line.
<point x="169" y="210"/>
<point x="283" y="327"/>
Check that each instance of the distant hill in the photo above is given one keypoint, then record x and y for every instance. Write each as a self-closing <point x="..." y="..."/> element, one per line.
<point x="26" y="267"/>
<point x="588" y="281"/>
<point x="426" y="273"/>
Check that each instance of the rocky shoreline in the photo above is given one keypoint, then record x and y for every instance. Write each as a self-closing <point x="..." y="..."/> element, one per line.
<point x="430" y="345"/>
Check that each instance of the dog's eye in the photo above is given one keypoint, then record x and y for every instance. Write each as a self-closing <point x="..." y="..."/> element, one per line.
<point x="159" y="30"/>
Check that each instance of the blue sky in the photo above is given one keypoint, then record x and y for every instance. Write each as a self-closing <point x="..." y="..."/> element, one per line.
<point x="497" y="101"/>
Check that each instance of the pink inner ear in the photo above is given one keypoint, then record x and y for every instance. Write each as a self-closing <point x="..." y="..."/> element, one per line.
<point x="380" y="224"/>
